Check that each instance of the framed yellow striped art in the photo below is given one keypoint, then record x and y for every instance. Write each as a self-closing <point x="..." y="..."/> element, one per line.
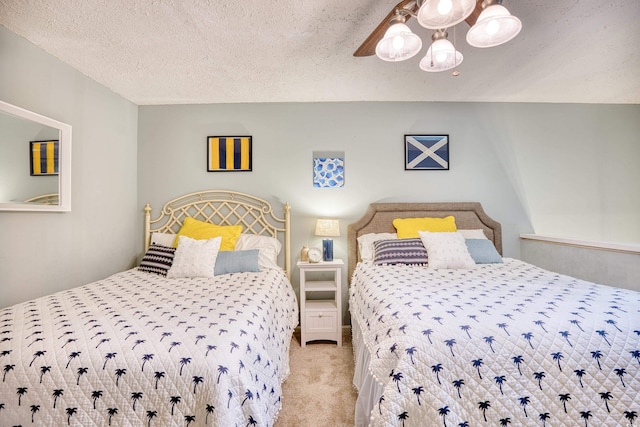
<point x="228" y="153"/>
<point x="44" y="157"/>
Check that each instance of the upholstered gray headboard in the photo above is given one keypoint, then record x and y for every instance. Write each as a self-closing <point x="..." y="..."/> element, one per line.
<point x="379" y="219"/>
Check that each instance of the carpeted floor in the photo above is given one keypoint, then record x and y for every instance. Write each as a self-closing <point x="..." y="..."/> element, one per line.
<point x="319" y="391"/>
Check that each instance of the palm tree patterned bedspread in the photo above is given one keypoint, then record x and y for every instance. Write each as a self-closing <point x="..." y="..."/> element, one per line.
<point x="500" y="345"/>
<point x="137" y="349"/>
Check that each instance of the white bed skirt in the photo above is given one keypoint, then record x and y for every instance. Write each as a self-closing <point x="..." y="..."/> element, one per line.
<point x="369" y="389"/>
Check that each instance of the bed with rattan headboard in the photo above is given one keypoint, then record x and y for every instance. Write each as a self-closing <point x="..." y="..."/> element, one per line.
<point x="207" y="344"/>
<point x="223" y="207"/>
<point x="379" y="219"/>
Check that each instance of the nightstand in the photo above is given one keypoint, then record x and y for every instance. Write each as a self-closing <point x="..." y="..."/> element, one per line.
<point x="321" y="319"/>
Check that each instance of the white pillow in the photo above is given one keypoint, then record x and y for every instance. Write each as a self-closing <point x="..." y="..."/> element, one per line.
<point x="268" y="249"/>
<point x="163" y="239"/>
<point x="366" y="241"/>
<point x="194" y="258"/>
<point x="446" y="250"/>
<point x="472" y="234"/>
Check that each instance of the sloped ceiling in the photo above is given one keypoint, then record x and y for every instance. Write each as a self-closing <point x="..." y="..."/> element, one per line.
<point x="212" y="51"/>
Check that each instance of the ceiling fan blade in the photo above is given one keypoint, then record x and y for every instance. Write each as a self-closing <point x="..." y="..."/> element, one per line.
<point x="368" y="47"/>
<point x="471" y="19"/>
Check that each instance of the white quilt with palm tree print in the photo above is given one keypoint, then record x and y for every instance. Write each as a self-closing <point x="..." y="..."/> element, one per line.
<point x="137" y="349"/>
<point x="501" y="345"/>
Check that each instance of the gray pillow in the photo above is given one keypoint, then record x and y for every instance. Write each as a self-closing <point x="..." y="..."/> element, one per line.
<point x="482" y="251"/>
<point x="236" y="262"/>
<point x="399" y="251"/>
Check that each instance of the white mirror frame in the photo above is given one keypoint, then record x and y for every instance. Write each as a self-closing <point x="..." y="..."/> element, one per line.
<point x="64" y="174"/>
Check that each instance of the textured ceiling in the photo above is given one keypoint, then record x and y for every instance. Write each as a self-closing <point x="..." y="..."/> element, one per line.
<point x="213" y="51"/>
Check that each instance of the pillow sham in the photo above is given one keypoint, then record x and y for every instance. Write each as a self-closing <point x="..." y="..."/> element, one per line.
<point x="268" y="247"/>
<point x="472" y="234"/>
<point x="408" y="228"/>
<point x="157" y="260"/>
<point x="446" y="250"/>
<point x="194" y="258"/>
<point x="228" y="262"/>
<point x="163" y="239"/>
<point x="483" y="251"/>
<point x="400" y="251"/>
<point x="201" y="230"/>
<point x="366" y="241"/>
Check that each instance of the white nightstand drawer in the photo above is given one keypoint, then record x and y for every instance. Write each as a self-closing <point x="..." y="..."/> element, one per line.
<point x="321" y="322"/>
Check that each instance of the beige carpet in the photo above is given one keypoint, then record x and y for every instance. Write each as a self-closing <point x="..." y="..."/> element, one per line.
<point x="319" y="390"/>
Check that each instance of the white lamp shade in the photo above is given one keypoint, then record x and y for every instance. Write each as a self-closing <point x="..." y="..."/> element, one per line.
<point x="441" y="56"/>
<point x="494" y="26"/>
<point x="398" y="44"/>
<point x="328" y="227"/>
<point x="440" y="14"/>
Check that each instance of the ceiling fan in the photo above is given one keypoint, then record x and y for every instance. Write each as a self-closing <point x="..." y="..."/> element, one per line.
<point x="491" y="25"/>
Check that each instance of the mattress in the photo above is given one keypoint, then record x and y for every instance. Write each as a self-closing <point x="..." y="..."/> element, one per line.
<point x="140" y="349"/>
<point x="501" y="344"/>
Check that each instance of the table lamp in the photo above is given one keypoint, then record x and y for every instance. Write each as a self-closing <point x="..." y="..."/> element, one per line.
<point x="327" y="228"/>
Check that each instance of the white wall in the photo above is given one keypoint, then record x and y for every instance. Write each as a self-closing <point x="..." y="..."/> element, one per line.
<point x="41" y="253"/>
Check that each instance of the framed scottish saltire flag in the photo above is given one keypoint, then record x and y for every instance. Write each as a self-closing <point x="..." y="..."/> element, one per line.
<point x="426" y="152"/>
<point x="228" y="153"/>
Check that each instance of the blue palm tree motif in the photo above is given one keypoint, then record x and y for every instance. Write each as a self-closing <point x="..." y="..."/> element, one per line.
<point x="393" y="349"/>
<point x="81" y="372"/>
<point x="631" y="416"/>
<point x="183" y="362"/>
<point x="539" y="376"/>
<point x="418" y="391"/>
<point x="518" y="360"/>
<point x="524" y="401"/>
<point x="463" y="424"/>
<point x="380" y="404"/>
<point x="613" y="323"/>
<point x="580" y="373"/>
<point x="450" y="343"/>
<point x="505" y="421"/>
<point x="189" y="419"/>
<point x="145" y="359"/>
<point x="436" y="369"/>
<point x="21" y="391"/>
<point x="221" y="370"/>
<point x="410" y="351"/>
<point x="229" y="395"/>
<point x="558" y="356"/>
<point x="577" y="323"/>
<point x="158" y="375"/>
<point x="503" y="326"/>
<point x="120" y="373"/>
<point x="443" y="412"/>
<point x="248" y="395"/>
<point x="150" y="416"/>
<point x="403" y="416"/>
<point x="489" y="340"/>
<point x="135" y="396"/>
<point x="397" y="377"/>
<point x="620" y="373"/>
<point x="500" y="379"/>
<point x="544" y="417"/>
<point x="196" y="380"/>
<point x="603" y="334"/>
<point x="483" y="406"/>
<point x="70" y="412"/>
<point x="564" y="398"/>
<point x="428" y="333"/>
<point x="635" y="354"/>
<point x="417" y="315"/>
<point x="541" y="324"/>
<point x="44" y="370"/>
<point x="527" y="336"/>
<point x="56" y="394"/>
<point x="473" y="317"/>
<point x="438" y="319"/>
<point x="466" y="328"/>
<point x="565" y="335"/>
<point x="585" y="415"/>
<point x="597" y="354"/>
<point x="458" y="384"/>
<point x="477" y="363"/>
<point x="252" y="422"/>
<point x="606" y="396"/>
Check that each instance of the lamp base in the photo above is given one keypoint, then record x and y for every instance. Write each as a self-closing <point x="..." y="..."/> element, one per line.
<point x="327" y="249"/>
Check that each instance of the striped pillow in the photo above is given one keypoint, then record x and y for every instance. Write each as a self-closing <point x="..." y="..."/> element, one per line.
<point x="157" y="260"/>
<point x="399" y="251"/>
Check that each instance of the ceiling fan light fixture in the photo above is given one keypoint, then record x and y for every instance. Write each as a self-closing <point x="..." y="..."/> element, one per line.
<point x="398" y="44"/>
<point x="494" y="26"/>
<point x="441" y="56"/>
<point x="437" y="14"/>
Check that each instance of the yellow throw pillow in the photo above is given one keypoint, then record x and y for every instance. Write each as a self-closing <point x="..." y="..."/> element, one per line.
<point x="408" y="227"/>
<point x="201" y="230"/>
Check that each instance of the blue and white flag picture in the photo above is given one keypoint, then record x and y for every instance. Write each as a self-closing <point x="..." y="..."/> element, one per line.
<point x="426" y="152"/>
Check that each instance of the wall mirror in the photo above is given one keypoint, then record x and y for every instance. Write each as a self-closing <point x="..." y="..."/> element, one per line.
<point x="35" y="161"/>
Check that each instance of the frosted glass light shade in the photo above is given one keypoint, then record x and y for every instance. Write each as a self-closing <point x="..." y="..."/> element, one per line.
<point x="439" y="14"/>
<point x="441" y="56"/>
<point x="494" y="26"/>
<point x="398" y="44"/>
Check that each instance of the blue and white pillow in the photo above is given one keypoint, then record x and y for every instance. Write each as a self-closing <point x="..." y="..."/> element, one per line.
<point x="399" y="251"/>
<point x="157" y="260"/>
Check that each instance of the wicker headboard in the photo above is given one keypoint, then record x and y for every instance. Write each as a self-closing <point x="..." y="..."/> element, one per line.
<point x="223" y="207"/>
<point x="379" y="219"/>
